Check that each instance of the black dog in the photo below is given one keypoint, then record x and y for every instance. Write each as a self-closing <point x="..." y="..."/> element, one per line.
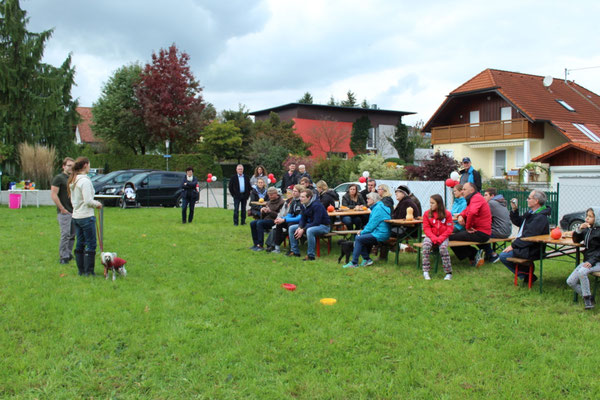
<point x="346" y="247"/>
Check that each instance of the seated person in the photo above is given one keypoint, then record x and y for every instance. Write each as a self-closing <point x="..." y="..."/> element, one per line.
<point x="458" y="205"/>
<point x="501" y="226"/>
<point x="533" y="223"/>
<point x="351" y="199"/>
<point x="376" y="231"/>
<point x="268" y="214"/>
<point x="587" y="233"/>
<point x="437" y="226"/>
<point x="314" y="221"/>
<point x="386" y="196"/>
<point x="289" y="215"/>
<point x="257" y="193"/>
<point x="328" y="197"/>
<point x="477" y="220"/>
<point x="371" y="187"/>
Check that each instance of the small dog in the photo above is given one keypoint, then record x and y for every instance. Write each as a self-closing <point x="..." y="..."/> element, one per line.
<point x="346" y="247"/>
<point x="113" y="263"/>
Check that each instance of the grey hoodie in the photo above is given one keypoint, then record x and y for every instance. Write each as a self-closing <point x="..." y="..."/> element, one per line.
<point x="501" y="225"/>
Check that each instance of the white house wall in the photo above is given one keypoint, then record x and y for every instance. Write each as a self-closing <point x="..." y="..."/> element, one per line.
<point x="384" y="147"/>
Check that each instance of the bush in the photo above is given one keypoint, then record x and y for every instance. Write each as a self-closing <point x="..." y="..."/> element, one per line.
<point x="334" y="170"/>
<point x="437" y="169"/>
<point x="37" y="164"/>
<point x="396" y="160"/>
<point x="378" y="168"/>
<point x="500" y="184"/>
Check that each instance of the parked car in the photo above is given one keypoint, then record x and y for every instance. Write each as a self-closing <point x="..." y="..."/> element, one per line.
<point x="342" y="188"/>
<point x="113" y="182"/>
<point x="570" y="222"/>
<point x="156" y="188"/>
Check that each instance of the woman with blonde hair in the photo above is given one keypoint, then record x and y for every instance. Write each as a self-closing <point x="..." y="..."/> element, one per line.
<point x="327" y="196"/>
<point x="81" y="191"/>
<point x="383" y="190"/>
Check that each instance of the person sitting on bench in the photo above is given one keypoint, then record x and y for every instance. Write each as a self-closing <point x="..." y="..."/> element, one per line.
<point x="534" y="222"/>
<point x="477" y="220"/>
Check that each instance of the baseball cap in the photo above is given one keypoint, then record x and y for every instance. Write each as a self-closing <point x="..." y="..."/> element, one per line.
<point x="466" y="159"/>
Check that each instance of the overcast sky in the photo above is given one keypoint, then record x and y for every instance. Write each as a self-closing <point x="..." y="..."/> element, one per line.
<point x="400" y="55"/>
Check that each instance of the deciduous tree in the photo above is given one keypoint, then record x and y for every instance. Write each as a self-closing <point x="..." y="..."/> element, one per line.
<point x="117" y="113"/>
<point x="171" y="100"/>
<point x="241" y="119"/>
<point x="221" y="139"/>
<point x="282" y="133"/>
<point x="328" y="137"/>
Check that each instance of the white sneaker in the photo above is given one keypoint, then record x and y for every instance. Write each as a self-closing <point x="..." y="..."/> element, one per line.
<point x="448" y="277"/>
<point x="426" y="276"/>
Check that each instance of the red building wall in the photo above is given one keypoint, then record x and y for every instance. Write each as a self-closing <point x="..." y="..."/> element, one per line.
<point x="324" y="136"/>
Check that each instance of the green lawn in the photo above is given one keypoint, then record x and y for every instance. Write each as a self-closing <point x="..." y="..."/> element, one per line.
<point x="201" y="316"/>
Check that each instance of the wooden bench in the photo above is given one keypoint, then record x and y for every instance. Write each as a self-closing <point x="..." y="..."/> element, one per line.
<point x="459" y="243"/>
<point x="525" y="263"/>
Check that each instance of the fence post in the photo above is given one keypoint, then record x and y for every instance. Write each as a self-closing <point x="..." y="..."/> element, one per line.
<point x="225" y="193"/>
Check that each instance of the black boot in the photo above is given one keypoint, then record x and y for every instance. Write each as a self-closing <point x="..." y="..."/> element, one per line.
<point x="79" y="256"/>
<point x="587" y="302"/>
<point x="89" y="262"/>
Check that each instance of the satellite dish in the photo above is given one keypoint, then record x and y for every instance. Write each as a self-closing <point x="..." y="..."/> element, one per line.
<point x="548" y="81"/>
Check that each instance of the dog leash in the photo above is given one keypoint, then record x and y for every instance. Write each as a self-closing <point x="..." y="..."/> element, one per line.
<point x="98" y="233"/>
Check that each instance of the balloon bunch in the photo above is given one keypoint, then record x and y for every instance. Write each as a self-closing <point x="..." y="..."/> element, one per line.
<point x="211" y="178"/>
<point x="271" y="179"/>
<point x="453" y="180"/>
<point x="364" y="177"/>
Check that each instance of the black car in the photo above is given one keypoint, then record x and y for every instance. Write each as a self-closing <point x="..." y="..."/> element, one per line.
<point x="570" y="222"/>
<point x="156" y="188"/>
<point x="111" y="182"/>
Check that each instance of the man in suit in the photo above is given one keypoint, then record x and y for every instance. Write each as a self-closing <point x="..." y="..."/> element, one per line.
<point x="239" y="188"/>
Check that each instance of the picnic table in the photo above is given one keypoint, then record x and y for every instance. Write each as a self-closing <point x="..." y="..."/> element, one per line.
<point x="412" y="224"/>
<point x="558" y="247"/>
<point x="343" y="213"/>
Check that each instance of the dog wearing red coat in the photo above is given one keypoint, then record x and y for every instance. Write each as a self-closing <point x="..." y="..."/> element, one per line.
<point x="113" y="263"/>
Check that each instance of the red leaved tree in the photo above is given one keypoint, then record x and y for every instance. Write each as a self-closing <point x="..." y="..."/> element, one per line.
<point x="171" y="100"/>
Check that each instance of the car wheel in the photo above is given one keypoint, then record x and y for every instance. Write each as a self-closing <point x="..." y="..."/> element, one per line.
<point x="179" y="202"/>
<point x="575" y="224"/>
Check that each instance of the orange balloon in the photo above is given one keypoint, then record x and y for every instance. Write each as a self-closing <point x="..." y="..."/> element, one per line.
<point x="556" y="233"/>
<point x="330" y="208"/>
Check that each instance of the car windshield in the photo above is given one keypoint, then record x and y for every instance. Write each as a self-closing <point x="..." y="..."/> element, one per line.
<point x="108" y="176"/>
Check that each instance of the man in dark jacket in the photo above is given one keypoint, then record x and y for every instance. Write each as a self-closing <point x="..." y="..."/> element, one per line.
<point x="477" y="220"/>
<point x="190" y="194"/>
<point x="371" y="187"/>
<point x="534" y="222"/>
<point x="303" y="173"/>
<point x="239" y="188"/>
<point x="290" y="177"/>
<point x="268" y="213"/>
<point x="314" y="221"/>
<point x="470" y="174"/>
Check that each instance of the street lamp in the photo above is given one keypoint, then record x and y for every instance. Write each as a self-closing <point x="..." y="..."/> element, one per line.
<point x="167" y="156"/>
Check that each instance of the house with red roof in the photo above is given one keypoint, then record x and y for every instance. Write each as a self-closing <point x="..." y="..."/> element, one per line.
<point x="504" y="120"/>
<point x="83" y="130"/>
<point x="327" y="128"/>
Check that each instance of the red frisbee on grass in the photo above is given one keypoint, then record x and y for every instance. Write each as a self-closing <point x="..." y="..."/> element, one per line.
<point x="289" y="286"/>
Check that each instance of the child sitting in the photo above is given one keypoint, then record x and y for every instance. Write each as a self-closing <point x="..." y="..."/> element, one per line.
<point x="437" y="225"/>
<point x="589" y="233"/>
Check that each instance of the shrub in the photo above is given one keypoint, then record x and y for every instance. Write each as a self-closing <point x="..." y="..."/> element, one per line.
<point x="332" y="170"/>
<point x="437" y="169"/>
<point x="500" y="184"/>
<point x="378" y="168"/>
<point x="37" y="163"/>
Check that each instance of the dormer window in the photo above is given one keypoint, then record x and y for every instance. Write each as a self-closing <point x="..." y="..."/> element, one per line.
<point x="565" y="105"/>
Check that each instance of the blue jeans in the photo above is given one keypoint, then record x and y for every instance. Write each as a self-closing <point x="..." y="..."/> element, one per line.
<point x="511" y="266"/>
<point x="362" y="246"/>
<point x="85" y="230"/>
<point x="185" y="203"/>
<point x="311" y="234"/>
<point x="352" y="221"/>
<point x="239" y="203"/>
<point x="258" y="228"/>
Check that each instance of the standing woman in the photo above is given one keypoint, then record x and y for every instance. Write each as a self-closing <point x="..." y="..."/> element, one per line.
<point x="259" y="172"/>
<point x="81" y="191"/>
<point x="190" y="194"/>
<point x="437" y="226"/>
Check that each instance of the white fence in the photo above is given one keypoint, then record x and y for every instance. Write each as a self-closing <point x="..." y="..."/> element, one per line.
<point x="577" y="193"/>
<point x="423" y="190"/>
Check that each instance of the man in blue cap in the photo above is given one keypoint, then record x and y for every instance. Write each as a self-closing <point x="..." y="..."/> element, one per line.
<point x="470" y="174"/>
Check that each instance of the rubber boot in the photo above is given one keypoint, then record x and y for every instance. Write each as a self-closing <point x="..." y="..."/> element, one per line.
<point x="384" y="249"/>
<point x="587" y="302"/>
<point x="89" y="262"/>
<point x="79" y="260"/>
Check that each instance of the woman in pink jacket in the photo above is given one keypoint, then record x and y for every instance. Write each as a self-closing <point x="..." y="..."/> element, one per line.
<point x="437" y="225"/>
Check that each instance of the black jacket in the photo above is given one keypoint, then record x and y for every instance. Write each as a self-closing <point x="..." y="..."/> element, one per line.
<point x="591" y="239"/>
<point x="348" y="202"/>
<point x="535" y="224"/>
<point x="287" y="180"/>
<point x="328" y="198"/>
<point x="234" y="187"/>
<point x="400" y="210"/>
<point x="388" y="201"/>
<point x="189" y="189"/>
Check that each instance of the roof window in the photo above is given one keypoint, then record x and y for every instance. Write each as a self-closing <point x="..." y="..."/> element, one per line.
<point x="565" y="105"/>
<point x="587" y="132"/>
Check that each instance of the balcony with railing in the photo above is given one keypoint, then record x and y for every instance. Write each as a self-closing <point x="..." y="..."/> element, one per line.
<point x="487" y="131"/>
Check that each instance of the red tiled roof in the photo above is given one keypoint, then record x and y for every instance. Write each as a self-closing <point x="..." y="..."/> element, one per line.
<point x="593" y="148"/>
<point x="85" y="129"/>
<point x="537" y="102"/>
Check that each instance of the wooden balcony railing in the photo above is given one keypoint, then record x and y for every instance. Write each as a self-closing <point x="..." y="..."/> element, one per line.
<point x="486" y="131"/>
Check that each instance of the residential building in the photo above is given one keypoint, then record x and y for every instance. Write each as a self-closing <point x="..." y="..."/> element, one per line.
<point x="504" y="120"/>
<point x="83" y="131"/>
<point x="327" y="128"/>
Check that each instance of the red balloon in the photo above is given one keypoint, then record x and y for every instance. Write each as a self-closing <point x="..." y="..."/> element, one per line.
<point x="208" y="180"/>
<point x="209" y="176"/>
<point x="362" y="179"/>
<point x="273" y="180"/>
<point x="271" y="176"/>
<point x="450" y="182"/>
<point x="556" y="233"/>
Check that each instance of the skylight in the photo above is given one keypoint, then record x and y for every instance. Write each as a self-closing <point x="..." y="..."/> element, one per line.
<point x="565" y="105"/>
<point x="585" y="130"/>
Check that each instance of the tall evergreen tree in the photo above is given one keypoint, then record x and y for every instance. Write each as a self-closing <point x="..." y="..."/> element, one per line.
<point x="350" y="100"/>
<point x="332" y="101"/>
<point x="35" y="98"/>
<point x="360" y="134"/>
<point x="402" y="143"/>
<point x="306" y="99"/>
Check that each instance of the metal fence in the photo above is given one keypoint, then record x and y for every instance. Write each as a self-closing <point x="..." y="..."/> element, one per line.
<point x="578" y="193"/>
<point x="521" y="196"/>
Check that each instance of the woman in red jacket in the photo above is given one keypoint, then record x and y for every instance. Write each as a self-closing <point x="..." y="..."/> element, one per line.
<point x="437" y="225"/>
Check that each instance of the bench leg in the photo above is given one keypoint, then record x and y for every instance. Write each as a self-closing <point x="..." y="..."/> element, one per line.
<point x="516" y="275"/>
<point x="437" y="256"/>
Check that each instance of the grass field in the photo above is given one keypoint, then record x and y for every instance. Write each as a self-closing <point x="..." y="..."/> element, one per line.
<point x="201" y="316"/>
